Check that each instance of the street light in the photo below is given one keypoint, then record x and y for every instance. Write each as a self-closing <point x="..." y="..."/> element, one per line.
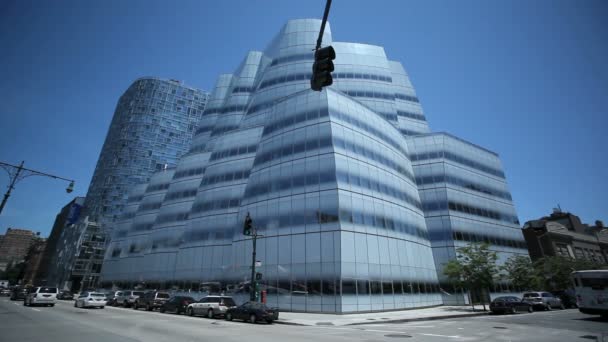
<point x="18" y="172"/>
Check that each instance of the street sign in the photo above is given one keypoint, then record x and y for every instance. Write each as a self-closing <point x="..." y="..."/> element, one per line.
<point x="258" y="263"/>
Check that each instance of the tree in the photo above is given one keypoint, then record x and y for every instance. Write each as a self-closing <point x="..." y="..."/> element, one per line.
<point x="474" y="268"/>
<point x="554" y="271"/>
<point x="520" y="272"/>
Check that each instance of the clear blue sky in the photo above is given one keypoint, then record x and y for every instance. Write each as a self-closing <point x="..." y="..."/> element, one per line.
<point x="527" y="79"/>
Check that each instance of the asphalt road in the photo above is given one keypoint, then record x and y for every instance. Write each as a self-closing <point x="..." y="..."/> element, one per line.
<point x="65" y="323"/>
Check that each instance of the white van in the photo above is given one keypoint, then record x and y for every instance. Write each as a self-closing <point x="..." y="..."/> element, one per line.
<point x="41" y="296"/>
<point x="591" y="288"/>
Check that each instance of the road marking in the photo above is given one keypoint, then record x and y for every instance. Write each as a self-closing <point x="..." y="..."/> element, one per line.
<point x="35" y="309"/>
<point x="436" y="335"/>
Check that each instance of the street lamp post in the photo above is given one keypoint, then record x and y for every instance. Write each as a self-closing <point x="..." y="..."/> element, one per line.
<point x="18" y="172"/>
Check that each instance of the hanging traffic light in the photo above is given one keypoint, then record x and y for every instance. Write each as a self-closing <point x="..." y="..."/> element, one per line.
<point x="248" y="226"/>
<point x="322" y="68"/>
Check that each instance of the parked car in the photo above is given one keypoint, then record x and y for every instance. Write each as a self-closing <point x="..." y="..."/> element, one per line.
<point x="5" y="292"/>
<point x="151" y="300"/>
<point x="211" y="306"/>
<point x="112" y="296"/>
<point x="65" y="295"/>
<point x="568" y="298"/>
<point x="253" y="312"/>
<point x="18" y="293"/>
<point x="177" y="304"/>
<point x="41" y="296"/>
<point x="510" y="304"/>
<point x="127" y="298"/>
<point x="543" y="300"/>
<point x="90" y="300"/>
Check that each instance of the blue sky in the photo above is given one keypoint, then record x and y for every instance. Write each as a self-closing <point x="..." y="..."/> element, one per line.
<point x="526" y="79"/>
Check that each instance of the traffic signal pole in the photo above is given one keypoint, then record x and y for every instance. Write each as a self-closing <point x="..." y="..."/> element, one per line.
<point x="248" y="229"/>
<point x="325" y="15"/>
<point x="323" y="65"/>
<point x="253" y="292"/>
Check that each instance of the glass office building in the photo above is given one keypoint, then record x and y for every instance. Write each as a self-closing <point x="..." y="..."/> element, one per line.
<point x="327" y="178"/>
<point x="151" y="129"/>
<point x="465" y="198"/>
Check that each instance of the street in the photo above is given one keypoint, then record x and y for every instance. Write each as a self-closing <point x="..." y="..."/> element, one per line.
<point x="66" y="323"/>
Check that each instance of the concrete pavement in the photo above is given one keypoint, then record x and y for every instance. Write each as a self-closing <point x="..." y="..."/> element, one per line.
<point x="439" y="312"/>
<point x="66" y="323"/>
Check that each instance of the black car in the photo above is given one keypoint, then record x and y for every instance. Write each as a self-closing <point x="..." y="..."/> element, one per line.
<point x="65" y="295"/>
<point x="177" y="304"/>
<point x="18" y="293"/>
<point x="509" y="304"/>
<point x="568" y="298"/>
<point x="151" y="300"/>
<point x="253" y="312"/>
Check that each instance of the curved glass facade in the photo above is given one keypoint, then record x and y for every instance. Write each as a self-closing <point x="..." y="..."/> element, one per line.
<point x="151" y="129"/>
<point x="327" y="178"/>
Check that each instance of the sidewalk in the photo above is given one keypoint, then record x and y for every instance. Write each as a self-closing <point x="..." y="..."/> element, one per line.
<point x="439" y="312"/>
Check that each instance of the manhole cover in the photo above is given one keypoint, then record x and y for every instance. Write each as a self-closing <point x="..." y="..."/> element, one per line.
<point x="398" y="335"/>
<point x="324" y="323"/>
<point x="499" y="327"/>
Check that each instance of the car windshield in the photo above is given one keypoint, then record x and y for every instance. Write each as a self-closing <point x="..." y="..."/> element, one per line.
<point x="503" y="299"/>
<point x="533" y="294"/>
<point x="259" y="306"/>
<point x="228" y="302"/>
<point x="98" y="295"/>
<point x="138" y="293"/>
<point x="162" y="295"/>
<point x="48" y="290"/>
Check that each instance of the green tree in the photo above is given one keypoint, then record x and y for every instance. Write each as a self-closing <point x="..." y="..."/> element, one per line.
<point x="520" y="272"/>
<point x="554" y="271"/>
<point x="474" y="269"/>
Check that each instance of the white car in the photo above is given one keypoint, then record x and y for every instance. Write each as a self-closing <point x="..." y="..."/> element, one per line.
<point x="41" y="296"/>
<point x="90" y="300"/>
<point x="211" y="306"/>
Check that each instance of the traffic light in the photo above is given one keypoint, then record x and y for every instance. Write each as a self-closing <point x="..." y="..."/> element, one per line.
<point x="322" y="68"/>
<point x="248" y="226"/>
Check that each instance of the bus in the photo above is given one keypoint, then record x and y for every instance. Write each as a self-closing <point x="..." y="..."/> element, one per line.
<point x="591" y="289"/>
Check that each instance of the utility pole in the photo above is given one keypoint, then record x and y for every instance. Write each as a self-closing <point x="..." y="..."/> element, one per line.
<point x="18" y="172"/>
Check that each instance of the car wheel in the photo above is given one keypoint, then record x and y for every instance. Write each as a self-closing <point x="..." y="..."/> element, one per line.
<point x="135" y="306"/>
<point x="210" y="313"/>
<point x="513" y="310"/>
<point x="530" y="310"/>
<point x="252" y="318"/>
<point x="101" y="307"/>
<point x="190" y="312"/>
<point x="75" y="304"/>
<point x="148" y="307"/>
<point x="161" y="309"/>
<point x="125" y="304"/>
<point x="229" y="317"/>
<point x="562" y="307"/>
<point x="25" y="303"/>
<point x="548" y="307"/>
<point x="269" y="321"/>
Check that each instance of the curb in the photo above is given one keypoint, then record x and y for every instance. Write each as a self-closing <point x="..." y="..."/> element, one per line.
<point x="430" y="318"/>
<point x="278" y="321"/>
<point x="402" y="320"/>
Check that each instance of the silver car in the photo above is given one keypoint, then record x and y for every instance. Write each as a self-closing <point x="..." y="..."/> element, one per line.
<point x="41" y="296"/>
<point x="127" y="298"/>
<point x="211" y="306"/>
<point x="543" y="300"/>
